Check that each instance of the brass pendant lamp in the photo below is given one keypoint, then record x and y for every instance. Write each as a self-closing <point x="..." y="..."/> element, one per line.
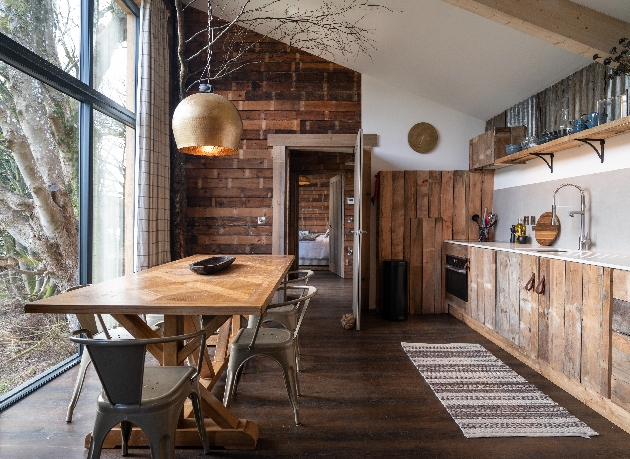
<point x="206" y="123"/>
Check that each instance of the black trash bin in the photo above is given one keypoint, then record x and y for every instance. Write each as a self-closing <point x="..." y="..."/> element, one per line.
<point x="395" y="290"/>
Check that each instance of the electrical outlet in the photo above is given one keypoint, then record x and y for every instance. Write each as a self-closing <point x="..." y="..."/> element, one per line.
<point x="350" y="200"/>
<point x="261" y="220"/>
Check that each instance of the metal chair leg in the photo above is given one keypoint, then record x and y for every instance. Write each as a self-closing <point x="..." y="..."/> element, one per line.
<point x="78" y="385"/>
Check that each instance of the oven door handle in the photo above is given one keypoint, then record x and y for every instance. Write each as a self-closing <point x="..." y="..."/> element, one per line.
<point x="457" y="270"/>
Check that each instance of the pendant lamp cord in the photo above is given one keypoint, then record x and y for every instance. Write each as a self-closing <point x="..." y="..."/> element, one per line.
<point x="205" y="75"/>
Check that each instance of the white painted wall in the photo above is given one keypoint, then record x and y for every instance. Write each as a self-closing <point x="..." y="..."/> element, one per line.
<point x="390" y="112"/>
<point x="570" y="163"/>
<point x="528" y="190"/>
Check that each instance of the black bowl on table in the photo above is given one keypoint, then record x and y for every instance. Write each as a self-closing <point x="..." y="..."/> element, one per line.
<point x="211" y="265"/>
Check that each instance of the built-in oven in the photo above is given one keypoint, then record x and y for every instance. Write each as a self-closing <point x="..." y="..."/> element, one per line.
<point x="456" y="272"/>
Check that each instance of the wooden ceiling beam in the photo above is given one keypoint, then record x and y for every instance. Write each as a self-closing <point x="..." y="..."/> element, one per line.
<point x="563" y="23"/>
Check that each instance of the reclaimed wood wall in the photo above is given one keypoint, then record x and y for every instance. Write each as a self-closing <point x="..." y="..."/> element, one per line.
<point x="312" y="163"/>
<point x="289" y="92"/>
<point x="417" y="211"/>
<point x="314" y="203"/>
<point x="578" y="93"/>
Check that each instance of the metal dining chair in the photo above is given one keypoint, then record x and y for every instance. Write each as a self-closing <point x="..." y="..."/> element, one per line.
<point x="287" y="314"/>
<point x="89" y="327"/>
<point x="276" y="343"/>
<point x="150" y="397"/>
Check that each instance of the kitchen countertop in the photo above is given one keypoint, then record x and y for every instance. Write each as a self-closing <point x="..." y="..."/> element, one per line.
<point x="591" y="257"/>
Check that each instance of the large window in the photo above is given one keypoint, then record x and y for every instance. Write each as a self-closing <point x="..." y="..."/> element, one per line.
<point x="67" y="102"/>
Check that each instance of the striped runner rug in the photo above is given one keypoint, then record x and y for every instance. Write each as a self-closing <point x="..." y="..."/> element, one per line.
<point x="486" y="398"/>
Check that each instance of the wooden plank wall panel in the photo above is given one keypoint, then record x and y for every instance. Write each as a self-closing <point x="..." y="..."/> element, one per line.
<point x="385" y="223"/>
<point x="447" y="204"/>
<point x="435" y="194"/>
<point x="431" y="265"/>
<point x="444" y="196"/>
<point x="410" y="211"/>
<point x="422" y="193"/>
<point x="474" y="205"/>
<point x="285" y="91"/>
<point x="573" y="321"/>
<point x="528" y="306"/>
<point x="487" y="189"/>
<point x="415" y="266"/>
<point x="596" y="329"/>
<point x="461" y="216"/>
<point x="398" y="214"/>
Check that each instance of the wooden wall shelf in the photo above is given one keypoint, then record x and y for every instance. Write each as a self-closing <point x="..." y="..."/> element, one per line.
<point x="614" y="128"/>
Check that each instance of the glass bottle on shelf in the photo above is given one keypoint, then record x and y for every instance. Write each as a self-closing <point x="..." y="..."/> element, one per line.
<point x="520" y="229"/>
<point x="565" y="124"/>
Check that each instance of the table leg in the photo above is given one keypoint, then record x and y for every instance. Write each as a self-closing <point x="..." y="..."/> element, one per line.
<point x="223" y="428"/>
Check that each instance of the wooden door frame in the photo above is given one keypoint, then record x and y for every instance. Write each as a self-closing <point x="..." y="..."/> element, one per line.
<point x="281" y="146"/>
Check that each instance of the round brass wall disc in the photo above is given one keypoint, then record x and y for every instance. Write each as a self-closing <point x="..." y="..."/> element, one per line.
<point x="422" y="137"/>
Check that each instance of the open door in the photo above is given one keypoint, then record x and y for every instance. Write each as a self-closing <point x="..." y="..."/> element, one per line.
<point x="358" y="229"/>
<point x="335" y="225"/>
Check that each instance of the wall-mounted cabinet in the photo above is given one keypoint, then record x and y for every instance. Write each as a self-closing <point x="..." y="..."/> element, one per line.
<point x="563" y="327"/>
<point x="486" y="149"/>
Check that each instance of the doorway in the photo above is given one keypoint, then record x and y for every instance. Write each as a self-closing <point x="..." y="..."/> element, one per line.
<point x="321" y="221"/>
<point x="295" y="154"/>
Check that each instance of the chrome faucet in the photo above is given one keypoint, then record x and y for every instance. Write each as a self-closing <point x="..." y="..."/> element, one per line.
<point x="584" y="240"/>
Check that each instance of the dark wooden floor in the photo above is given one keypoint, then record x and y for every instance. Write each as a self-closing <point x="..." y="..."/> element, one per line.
<point x="362" y="398"/>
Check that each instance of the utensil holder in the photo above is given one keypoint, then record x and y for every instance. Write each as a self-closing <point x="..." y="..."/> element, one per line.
<point x="483" y="234"/>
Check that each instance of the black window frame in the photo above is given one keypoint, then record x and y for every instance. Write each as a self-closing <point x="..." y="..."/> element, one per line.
<point x="25" y="60"/>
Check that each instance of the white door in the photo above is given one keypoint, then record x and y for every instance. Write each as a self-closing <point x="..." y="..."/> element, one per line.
<point x="358" y="230"/>
<point x="335" y="225"/>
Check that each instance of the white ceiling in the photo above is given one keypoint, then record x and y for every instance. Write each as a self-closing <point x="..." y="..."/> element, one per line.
<point x="458" y="59"/>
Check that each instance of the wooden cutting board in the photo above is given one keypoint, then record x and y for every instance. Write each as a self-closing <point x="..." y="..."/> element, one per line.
<point x="545" y="233"/>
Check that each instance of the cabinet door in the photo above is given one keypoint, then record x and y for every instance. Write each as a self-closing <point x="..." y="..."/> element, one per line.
<point x="528" y="305"/>
<point x="574" y="322"/>
<point x="482" y="151"/>
<point x="507" y="320"/>
<point x="482" y="282"/>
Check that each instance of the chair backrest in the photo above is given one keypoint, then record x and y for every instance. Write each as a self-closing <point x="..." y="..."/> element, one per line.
<point x="120" y="364"/>
<point x="308" y="292"/>
<point x="88" y="321"/>
<point x="300" y="276"/>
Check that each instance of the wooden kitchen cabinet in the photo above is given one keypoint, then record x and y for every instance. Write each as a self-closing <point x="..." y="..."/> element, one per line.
<point x="517" y="307"/>
<point x="576" y="333"/>
<point x="486" y="148"/>
<point x="620" y="377"/>
<point x="482" y="286"/>
<point x="567" y="326"/>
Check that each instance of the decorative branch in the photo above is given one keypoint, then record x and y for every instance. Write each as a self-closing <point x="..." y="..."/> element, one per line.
<point x="618" y="61"/>
<point x="322" y="31"/>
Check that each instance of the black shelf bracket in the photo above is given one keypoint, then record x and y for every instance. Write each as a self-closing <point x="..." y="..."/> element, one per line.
<point x="548" y="163"/>
<point x="601" y="146"/>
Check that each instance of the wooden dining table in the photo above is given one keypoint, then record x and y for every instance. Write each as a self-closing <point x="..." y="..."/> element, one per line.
<point x="244" y="288"/>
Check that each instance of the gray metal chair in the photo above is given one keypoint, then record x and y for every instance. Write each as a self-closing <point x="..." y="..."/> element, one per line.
<point x="276" y="343"/>
<point x="150" y="397"/>
<point x="286" y="313"/>
<point x="89" y="327"/>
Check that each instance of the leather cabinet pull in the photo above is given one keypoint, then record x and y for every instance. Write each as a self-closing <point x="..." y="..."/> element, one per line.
<point x="540" y="288"/>
<point x="530" y="283"/>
